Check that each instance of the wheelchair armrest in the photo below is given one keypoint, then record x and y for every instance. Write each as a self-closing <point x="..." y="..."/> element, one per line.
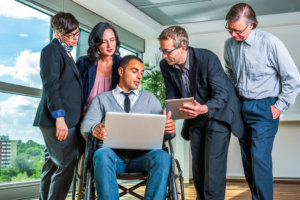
<point x="91" y="146"/>
<point x="169" y="136"/>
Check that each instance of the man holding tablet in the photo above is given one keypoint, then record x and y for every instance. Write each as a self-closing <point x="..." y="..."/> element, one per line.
<point x="107" y="162"/>
<point x="198" y="73"/>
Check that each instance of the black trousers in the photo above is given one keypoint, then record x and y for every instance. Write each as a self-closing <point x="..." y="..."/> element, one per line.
<point x="209" y="145"/>
<point x="60" y="161"/>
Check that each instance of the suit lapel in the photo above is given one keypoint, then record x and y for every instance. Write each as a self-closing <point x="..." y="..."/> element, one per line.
<point x="193" y="72"/>
<point x="68" y="59"/>
<point x="72" y="64"/>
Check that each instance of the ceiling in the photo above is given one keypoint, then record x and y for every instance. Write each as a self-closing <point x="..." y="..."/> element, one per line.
<point x="147" y="18"/>
<point x="169" y="12"/>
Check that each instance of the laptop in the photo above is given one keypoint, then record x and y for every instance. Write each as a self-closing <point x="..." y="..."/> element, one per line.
<point x="134" y="130"/>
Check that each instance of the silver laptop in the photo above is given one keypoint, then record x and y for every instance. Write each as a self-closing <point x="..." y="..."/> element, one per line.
<point x="134" y="131"/>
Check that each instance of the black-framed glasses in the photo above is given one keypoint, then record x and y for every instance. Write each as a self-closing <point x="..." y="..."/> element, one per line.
<point x="230" y="30"/>
<point x="71" y="35"/>
<point x="168" y="52"/>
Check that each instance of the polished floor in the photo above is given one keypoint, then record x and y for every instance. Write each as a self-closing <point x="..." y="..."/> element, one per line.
<point x="238" y="190"/>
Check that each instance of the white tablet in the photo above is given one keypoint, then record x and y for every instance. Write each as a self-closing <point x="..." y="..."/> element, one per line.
<point x="173" y="105"/>
<point x="134" y="131"/>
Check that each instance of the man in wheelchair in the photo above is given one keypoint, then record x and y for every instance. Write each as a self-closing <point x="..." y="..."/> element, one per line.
<point x="107" y="162"/>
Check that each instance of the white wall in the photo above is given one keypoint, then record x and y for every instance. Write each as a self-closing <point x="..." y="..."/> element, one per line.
<point x="212" y="35"/>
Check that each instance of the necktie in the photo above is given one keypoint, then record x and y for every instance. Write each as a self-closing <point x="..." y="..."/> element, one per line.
<point x="126" y="101"/>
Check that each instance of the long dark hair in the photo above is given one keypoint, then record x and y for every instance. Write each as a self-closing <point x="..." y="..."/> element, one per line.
<point x="96" y="39"/>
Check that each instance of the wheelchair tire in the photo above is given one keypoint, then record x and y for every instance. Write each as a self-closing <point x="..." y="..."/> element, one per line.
<point x="179" y="180"/>
<point x="88" y="186"/>
<point x="173" y="194"/>
<point x="74" y="183"/>
<point x="176" y="187"/>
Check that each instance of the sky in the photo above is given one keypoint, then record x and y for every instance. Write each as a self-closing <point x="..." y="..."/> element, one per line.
<point x="24" y="33"/>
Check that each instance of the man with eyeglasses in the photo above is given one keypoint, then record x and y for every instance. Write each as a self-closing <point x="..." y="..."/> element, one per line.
<point x="267" y="81"/>
<point x="215" y="113"/>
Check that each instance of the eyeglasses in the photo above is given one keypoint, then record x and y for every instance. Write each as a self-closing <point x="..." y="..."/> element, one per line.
<point x="230" y="30"/>
<point x="168" y="52"/>
<point x="71" y="36"/>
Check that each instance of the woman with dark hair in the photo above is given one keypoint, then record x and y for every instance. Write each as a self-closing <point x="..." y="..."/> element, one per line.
<point x="59" y="111"/>
<point x="99" y="69"/>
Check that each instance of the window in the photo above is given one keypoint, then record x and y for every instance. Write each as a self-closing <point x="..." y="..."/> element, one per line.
<point x="21" y="144"/>
<point x="82" y="45"/>
<point x="26" y="32"/>
<point x="124" y="51"/>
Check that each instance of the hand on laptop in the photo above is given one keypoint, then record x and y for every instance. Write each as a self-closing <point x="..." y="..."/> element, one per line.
<point x="194" y="110"/>
<point x="99" y="131"/>
<point x="170" y="125"/>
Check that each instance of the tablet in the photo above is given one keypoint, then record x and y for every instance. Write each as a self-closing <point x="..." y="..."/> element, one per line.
<point x="134" y="131"/>
<point x="173" y="105"/>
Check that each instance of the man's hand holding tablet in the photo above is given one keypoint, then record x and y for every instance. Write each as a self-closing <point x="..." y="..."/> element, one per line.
<point x="174" y="106"/>
<point x="193" y="110"/>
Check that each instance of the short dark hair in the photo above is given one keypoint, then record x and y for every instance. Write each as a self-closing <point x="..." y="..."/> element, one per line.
<point x="177" y="33"/>
<point x="96" y="39"/>
<point x="242" y="10"/>
<point x="124" y="62"/>
<point x="64" y="23"/>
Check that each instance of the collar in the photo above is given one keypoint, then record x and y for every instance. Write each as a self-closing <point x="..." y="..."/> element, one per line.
<point x="65" y="46"/>
<point x="118" y="90"/>
<point x="251" y="37"/>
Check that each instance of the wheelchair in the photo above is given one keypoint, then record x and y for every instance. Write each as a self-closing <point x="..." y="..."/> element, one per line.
<point x="84" y="178"/>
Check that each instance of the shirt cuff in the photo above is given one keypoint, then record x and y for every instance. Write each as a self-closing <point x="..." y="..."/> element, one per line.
<point x="280" y="105"/>
<point x="58" y="113"/>
<point x="92" y="128"/>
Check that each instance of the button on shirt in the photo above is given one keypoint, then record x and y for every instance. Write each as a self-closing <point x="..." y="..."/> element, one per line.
<point x="185" y="75"/>
<point x="117" y="93"/>
<point x="261" y="67"/>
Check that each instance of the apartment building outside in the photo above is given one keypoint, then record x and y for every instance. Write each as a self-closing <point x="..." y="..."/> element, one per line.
<point x="8" y="151"/>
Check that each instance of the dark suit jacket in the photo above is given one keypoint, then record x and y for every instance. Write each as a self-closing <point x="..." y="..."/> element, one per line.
<point x="210" y="86"/>
<point x="88" y="72"/>
<point x="62" y="87"/>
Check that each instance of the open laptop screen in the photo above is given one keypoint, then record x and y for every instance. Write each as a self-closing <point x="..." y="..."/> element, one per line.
<point x="134" y="130"/>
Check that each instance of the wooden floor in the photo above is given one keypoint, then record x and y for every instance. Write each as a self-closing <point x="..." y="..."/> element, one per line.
<point x="240" y="191"/>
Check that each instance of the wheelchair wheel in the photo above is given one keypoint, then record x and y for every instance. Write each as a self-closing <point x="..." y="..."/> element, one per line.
<point x="179" y="180"/>
<point x="89" y="194"/>
<point x="172" y="191"/>
<point x="176" y="187"/>
<point x="74" y="183"/>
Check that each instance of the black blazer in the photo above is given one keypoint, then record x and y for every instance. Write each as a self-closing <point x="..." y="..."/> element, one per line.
<point x="62" y="87"/>
<point x="210" y="86"/>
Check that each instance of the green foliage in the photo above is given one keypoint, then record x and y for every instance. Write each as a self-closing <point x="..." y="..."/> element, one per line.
<point x="7" y="173"/>
<point x="24" y="163"/>
<point x="27" y="165"/>
<point x="30" y="147"/>
<point x="20" y="177"/>
<point x="153" y="80"/>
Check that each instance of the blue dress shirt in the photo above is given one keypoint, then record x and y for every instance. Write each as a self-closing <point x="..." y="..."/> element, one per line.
<point x="261" y="67"/>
